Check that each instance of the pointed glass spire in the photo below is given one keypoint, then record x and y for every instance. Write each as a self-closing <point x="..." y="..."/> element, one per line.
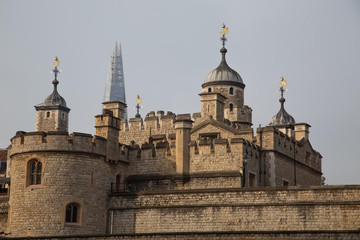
<point x="115" y="84"/>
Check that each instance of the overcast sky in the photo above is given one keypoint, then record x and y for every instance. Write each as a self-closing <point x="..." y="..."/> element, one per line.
<point x="168" y="49"/>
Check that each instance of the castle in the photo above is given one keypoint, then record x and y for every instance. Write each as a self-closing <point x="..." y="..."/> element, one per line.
<point x="209" y="174"/>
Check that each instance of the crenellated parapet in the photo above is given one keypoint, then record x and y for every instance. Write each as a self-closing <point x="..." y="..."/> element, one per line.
<point x="139" y="130"/>
<point x="220" y="154"/>
<point x="57" y="141"/>
<point x="300" y="150"/>
<point x="151" y="158"/>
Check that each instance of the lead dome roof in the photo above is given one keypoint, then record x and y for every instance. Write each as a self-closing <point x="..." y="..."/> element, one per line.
<point x="54" y="99"/>
<point x="282" y="117"/>
<point x="223" y="74"/>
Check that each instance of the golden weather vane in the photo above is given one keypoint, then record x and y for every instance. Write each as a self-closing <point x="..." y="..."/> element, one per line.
<point x="138" y="101"/>
<point x="282" y="86"/>
<point x="56" y="71"/>
<point x="224" y="31"/>
<point x="56" y="61"/>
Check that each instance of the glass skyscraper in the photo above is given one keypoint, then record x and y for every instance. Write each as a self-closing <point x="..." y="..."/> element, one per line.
<point x="115" y="84"/>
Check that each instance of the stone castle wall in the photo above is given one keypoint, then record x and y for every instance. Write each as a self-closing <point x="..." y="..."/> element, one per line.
<point x="244" y="235"/>
<point x="326" y="208"/>
<point x="4" y="209"/>
<point x="273" y="139"/>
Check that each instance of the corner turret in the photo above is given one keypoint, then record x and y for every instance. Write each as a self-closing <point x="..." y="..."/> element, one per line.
<point x="53" y="114"/>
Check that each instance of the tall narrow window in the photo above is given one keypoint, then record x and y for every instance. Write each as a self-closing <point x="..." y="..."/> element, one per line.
<point x="35" y="172"/>
<point x="231" y="91"/>
<point x="72" y="213"/>
<point x="118" y="183"/>
<point x="252" y="180"/>
<point x="231" y="107"/>
<point x="47" y="114"/>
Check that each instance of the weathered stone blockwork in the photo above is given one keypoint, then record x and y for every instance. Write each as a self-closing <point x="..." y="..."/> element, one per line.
<point x="4" y="208"/>
<point x="244" y="235"/>
<point x="262" y="209"/>
<point x="73" y="167"/>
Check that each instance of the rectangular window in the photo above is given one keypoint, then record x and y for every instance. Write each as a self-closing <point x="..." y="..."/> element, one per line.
<point x="252" y="180"/>
<point x="285" y="183"/>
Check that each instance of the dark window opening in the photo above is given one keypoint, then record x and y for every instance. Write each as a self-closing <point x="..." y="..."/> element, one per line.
<point x="231" y="91"/>
<point x="118" y="183"/>
<point x="35" y="172"/>
<point x="47" y="114"/>
<point x="252" y="180"/>
<point x="207" y="136"/>
<point x="209" y="89"/>
<point x="285" y="183"/>
<point x="71" y="213"/>
<point x="231" y="107"/>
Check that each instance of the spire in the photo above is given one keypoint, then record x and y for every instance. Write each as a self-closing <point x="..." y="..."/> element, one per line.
<point x="138" y="101"/>
<point x="54" y="99"/>
<point x="282" y="117"/>
<point x="115" y="84"/>
<point x="56" y="71"/>
<point x="53" y="114"/>
<point x="223" y="38"/>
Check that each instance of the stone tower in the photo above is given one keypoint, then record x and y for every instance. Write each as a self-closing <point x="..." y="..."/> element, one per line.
<point x="59" y="182"/>
<point x="53" y="114"/>
<point x="228" y="87"/>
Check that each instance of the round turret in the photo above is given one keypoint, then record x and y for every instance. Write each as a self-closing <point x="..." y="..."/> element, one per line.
<point x="59" y="184"/>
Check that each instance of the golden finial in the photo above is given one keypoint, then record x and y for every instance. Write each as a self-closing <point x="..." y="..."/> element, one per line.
<point x="138" y="99"/>
<point x="225" y="30"/>
<point x="56" y="61"/>
<point x="283" y="82"/>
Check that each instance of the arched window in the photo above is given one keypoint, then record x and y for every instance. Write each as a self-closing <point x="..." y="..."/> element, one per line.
<point x="35" y="172"/>
<point x="72" y="213"/>
<point x="231" y="91"/>
<point x="209" y="89"/>
<point x="231" y="107"/>
<point x="47" y="114"/>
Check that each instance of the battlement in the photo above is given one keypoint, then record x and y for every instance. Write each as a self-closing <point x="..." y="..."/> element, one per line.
<point x="300" y="150"/>
<point x="57" y="141"/>
<point x="159" y="125"/>
<point x="223" y="146"/>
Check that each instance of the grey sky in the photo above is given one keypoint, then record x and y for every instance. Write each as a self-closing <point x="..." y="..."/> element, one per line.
<point x="168" y="49"/>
